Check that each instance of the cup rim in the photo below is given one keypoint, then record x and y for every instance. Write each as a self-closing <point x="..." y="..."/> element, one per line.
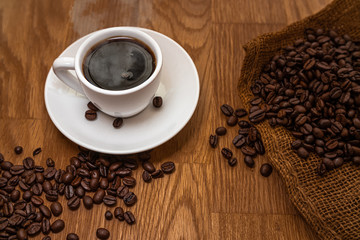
<point x="88" y="43"/>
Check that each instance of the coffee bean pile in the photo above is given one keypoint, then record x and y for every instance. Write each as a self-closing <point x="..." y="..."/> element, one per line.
<point x="91" y="177"/>
<point x="91" y="114"/>
<point x="248" y="139"/>
<point x="313" y="89"/>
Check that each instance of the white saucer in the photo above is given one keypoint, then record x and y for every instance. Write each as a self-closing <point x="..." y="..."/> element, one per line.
<point x="179" y="89"/>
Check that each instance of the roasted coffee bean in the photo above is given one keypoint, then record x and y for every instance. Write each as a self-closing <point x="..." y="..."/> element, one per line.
<point x="130" y="199"/>
<point x="104" y="183"/>
<point x="321" y="169"/>
<point x="36" y="151"/>
<point x="108" y="215"/>
<point x="47" y="238"/>
<point x="227" y="110"/>
<point x="338" y="162"/>
<point x="69" y="192"/>
<point x="232" y="162"/>
<point x="168" y="167"/>
<point x="157" y="101"/>
<point x="17" y="169"/>
<point x="18" y="149"/>
<point x="6" y="165"/>
<point x="15" y="196"/>
<point x="109" y="200"/>
<point x="27" y="196"/>
<point x="220" y="131"/>
<point x="129" y="181"/>
<point x="117" y="123"/>
<point x="45" y="226"/>
<point x="91" y="106"/>
<point x="157" y="174"/>
<point x="88" y="202"/>
<point x="247" y="150"/>
<point x="72" y="236"/>
<point x="99" y="196"/>
<point x="56" y="208"/>
<point x="232" y="121"/>
<point x="249" y="161"/>
<point x="80" y="192"/>
<point x="266" y="170"/>
<point x="45" y="211"/>
<point x="102" y="233"/>
<point x="257" y="116"/>
<point x="90" y="115"/>
<point x="240" y="112"/>
<point x="146" y="176"/>
<point x="129" y="217"/>
<point x="259" y="147"/>
<point x="28" y="163"/>
<point x="119" y="213"/>
<point x="21" y="234"/>
<point x="37" y="201"/>
<point x="49" y="173"/>
<point x="57" y="226"/>
<point x="148" y="166"/>
<point x="122" y="191"/>
<point x="213" y="140"/>
<point x="74" y="203"/>
<point x="302" y="152"/>
<point x="239" y="141"/>
<point x="329" y="164"/>
<point x="227" y="153"/>
<point x="94" y="184"/>
<point x="34" y="229"/>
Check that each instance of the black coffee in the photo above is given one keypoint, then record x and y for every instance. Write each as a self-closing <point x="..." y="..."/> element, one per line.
<point x="119" y="63"/>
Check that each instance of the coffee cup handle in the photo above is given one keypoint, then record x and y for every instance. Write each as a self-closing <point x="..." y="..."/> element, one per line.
<point x="61" y="67"/>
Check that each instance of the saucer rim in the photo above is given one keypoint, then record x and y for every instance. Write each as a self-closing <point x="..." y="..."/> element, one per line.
<point x="139" y="149"/>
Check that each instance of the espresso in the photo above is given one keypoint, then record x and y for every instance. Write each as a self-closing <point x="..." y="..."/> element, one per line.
<point x="119" y="63"/>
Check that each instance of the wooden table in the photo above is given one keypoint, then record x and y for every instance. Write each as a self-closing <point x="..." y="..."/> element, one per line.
<point x="204" y="198"/>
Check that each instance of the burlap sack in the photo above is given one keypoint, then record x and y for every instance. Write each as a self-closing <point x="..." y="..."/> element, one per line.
<point x="330" y="204"/>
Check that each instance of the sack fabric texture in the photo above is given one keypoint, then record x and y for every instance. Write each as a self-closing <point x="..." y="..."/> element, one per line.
<point x="330" y="203"/>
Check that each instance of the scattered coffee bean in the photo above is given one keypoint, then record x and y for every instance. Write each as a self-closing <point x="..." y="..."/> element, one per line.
<point x="90" y="115"/>
<point x="232" y="121"/>
<point x="266" y="170"/>
<point x="18" y="149"/>
<point x="220" y="131"/>
<point x="102" y="233"/>
<point x="227" y="153"/>
<point x="50" y="162"/>
<point x="74" y="203"/>
<point x="72" y="236"/>
<point x="57" y="226"/>
<point x="129" y="217"/>
<point x="33" y="229"/>
<point x="130" y="199"/>
<point x="91" y="106"/>
<point x="109" y="200"/>
<point x="88" y="202"/>
<point x="240" y="112"/>
<point x="119" y="213"/>
<point x="148" y="166"/>
<point x="213" y="140"/>
<point x="146" y="176"/>
<point x="227" y="110"/>
<point x="108" y="215"/>
<point x="21" y="234"/>
<point x="36" y="151"/>
<point x="249" y="161"/>
<point x="232" y="162"/>
<point x="157" y="174"/>
<point x="56" y="208"/>
<point x="157" y="101"/>
<point x="168" y="167"/>
<point x="99" y="196"/>
<point x="117" y="123"/>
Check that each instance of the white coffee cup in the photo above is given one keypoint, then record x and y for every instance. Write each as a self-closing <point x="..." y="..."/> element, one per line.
<point x="117" y="103"/>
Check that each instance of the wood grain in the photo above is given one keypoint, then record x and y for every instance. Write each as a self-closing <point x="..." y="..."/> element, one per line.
<point x="204" y="198"/>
